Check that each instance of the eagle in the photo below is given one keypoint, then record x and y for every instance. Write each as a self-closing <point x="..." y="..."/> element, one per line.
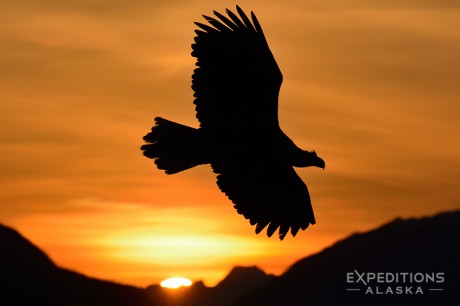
<point x="236" y="85"/>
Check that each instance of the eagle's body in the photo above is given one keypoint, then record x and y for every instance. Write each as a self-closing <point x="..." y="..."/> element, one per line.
<point x="236" y="89"/>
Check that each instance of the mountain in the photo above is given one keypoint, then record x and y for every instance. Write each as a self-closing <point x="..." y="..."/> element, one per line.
<point x="405" y="262"/>
<point x="401" y="263"/>
<point x="29" y="278"/>
<point x="238" y="282"/>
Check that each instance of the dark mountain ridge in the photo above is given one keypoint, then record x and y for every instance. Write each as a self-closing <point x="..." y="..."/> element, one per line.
<point x="29" y="277"/>
<point x="238" y="282"/>
<point x="425" y="247"/>
<point x="418" y="246"/>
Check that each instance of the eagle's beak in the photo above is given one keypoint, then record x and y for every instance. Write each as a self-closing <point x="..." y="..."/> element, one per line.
<point x="321" y="163"/>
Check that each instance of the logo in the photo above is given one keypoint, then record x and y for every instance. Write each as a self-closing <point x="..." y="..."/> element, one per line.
<point x="395" y="283"/>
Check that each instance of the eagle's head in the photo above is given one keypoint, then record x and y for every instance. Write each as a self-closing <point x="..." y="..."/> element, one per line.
<point x="316" y="160"/>
<point x="309" y="159"/>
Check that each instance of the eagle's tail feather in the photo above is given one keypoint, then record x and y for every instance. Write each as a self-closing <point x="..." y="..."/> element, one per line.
<point x="175" y="147"/>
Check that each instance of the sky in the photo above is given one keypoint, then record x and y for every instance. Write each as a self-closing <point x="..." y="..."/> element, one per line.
<point x="372" y="86"/>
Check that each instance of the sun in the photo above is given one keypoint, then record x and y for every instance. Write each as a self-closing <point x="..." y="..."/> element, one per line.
<point x="176" y="282"/>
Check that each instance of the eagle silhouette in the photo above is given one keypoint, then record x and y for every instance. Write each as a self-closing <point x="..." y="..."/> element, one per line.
<point x="236" y="86"/>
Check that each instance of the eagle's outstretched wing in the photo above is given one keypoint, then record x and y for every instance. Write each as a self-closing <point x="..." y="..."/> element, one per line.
<point x="236" y="86"/>
<point x="237" y="80"/>
<point x="267" y="192"/>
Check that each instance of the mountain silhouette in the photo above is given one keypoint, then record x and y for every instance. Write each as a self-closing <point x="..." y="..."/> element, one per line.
<point x="426" y="247"/>
<point x="426" y="250"/>
<point x="238" y="282"/>
<point x="28" y="277"/>
<point x="241" y="280"/>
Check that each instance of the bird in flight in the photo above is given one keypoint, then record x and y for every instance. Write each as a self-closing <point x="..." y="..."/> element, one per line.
<point x="236" y="86"/>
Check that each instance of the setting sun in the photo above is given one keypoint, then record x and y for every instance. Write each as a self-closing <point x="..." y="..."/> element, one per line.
<point x="176" y="282"/>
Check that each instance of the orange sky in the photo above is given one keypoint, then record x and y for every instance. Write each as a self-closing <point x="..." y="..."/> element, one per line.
<point x="372" y="86"/>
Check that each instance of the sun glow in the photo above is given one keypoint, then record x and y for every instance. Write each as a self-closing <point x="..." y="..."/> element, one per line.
<point x="181" y="248"/>
<point x="176" y="282"/>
